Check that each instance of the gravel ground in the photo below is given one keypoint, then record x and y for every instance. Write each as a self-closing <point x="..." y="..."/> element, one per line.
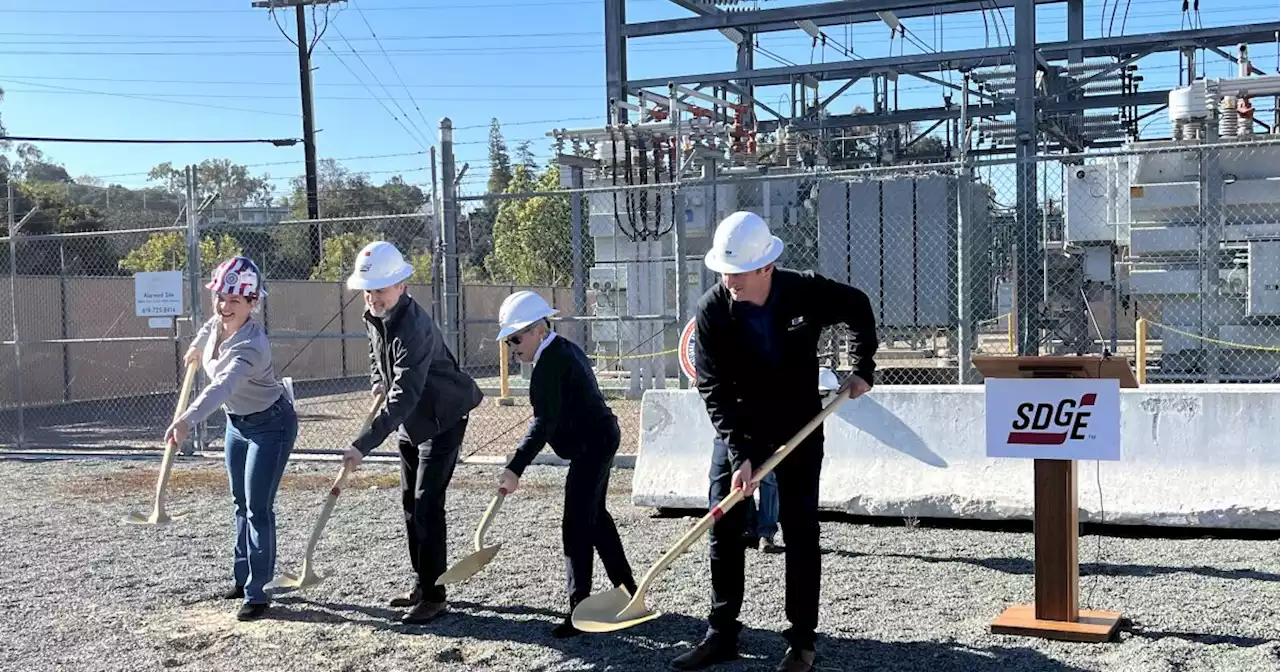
<point x="80" y="591"/>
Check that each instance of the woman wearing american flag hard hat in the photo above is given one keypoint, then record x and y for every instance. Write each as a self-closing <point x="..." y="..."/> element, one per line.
<point x="262" y="424"/>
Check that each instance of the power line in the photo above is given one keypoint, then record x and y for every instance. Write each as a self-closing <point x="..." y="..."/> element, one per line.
<point x="278" y="142"/>
<point x="161" y="100"/>
<point x="247" y="96"/>
<point x="360" y="11"/>
<point x="404" y="8"/>
<point x="426" y="136"/>
<point x="373" y="95"/>
<point x="195" y="82"/>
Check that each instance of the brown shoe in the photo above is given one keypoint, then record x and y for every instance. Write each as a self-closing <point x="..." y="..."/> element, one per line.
<point x="796" y="661"/>
<point x="408" y="599"/>
<point x="423" y="612"/>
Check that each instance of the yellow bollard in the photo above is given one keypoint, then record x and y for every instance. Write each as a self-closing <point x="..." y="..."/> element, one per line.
<point x="504" y="377"/>
<point x="1140" y="358"/>
<point x="1009" y="322"/>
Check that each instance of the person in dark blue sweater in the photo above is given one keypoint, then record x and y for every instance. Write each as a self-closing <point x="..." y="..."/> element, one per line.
<point x="570" y="414"/>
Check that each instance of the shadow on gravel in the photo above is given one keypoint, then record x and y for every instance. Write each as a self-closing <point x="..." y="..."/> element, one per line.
<point x="1026" y="566"/>
<point x="652" y="645"/>
<point x="1201" y="638"/>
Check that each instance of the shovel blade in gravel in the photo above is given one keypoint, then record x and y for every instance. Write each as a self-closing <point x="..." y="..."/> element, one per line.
<point x="305" y="578"/>
<point x="136" y="518"/>
<point x="483" y="555"/>
<point x="612" y="610"/>
<point x="468" y="566"/>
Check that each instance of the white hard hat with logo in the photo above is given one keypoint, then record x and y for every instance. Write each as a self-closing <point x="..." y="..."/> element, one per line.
<point x="521" y="310"/>
<point x="378" y="265"/>
<point x="742" y="243"/>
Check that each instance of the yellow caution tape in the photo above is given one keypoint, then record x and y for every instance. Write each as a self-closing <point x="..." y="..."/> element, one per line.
<point x="1215" y="341"/>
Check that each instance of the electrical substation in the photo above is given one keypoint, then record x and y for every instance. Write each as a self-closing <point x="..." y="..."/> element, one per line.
<point x="944" y="250"/>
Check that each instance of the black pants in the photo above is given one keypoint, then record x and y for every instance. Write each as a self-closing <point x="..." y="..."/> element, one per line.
<point x="425" y="472"/>
<point x="798" y="515"/>
<point x="586" y="526"/>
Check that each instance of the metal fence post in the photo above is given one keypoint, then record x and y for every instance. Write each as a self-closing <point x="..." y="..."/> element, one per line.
<point x="13" y="307"/>
<point x="451" y="322"/>
<point x="575" y="252"/>
<point x="193" y="283"/>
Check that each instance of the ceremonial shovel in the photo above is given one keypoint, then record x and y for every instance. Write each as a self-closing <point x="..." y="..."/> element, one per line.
<point x="616" y="609"/>
<point x="468" y="566"/>
<point x="158" y="515"/>
<point x="308" y="576"/>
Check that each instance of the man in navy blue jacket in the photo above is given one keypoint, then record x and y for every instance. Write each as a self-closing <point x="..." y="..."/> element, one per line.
<point x="757" y="336"/>
<point x="570" y="414"/>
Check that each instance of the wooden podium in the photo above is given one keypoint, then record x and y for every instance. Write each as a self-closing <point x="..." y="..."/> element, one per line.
<point x="1056" y="612"/>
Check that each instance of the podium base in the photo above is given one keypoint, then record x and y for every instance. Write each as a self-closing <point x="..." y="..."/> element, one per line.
<point x="1093" y="626"/>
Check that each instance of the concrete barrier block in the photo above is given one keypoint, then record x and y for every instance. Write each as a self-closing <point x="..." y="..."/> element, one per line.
<point x="1193" y="455"/>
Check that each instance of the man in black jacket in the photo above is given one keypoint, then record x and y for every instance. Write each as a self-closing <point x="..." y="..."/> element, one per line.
<point x="429" y="400"/>
<point x="570" y="413"/>
<point x="756" y="356"/>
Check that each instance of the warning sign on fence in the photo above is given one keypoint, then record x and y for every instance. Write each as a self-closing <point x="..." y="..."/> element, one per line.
<point x="687" y="352"/>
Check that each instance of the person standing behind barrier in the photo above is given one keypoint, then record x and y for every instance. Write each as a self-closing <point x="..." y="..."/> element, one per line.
<point x="757" y="334"/>
<point x="570" y="414"/>
<point x="762" y="516"/>
<point x="262" y="424"/>
<point x="429" y="401"/>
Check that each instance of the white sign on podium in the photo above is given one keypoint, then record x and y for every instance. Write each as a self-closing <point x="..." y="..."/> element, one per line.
<point x="1053" y="418"/>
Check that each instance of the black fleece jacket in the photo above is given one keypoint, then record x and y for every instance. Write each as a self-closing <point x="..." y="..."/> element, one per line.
<point x="569" y="412"/>
<point x="755" y="404"/>
<point x="427" y="392"/>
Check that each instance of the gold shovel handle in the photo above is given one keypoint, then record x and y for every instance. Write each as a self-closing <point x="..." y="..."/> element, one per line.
<point x="737" y="495"/>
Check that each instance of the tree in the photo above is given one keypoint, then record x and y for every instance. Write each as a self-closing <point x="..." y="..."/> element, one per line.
<point x="339" y="251"/>
<point x="531" y="237"/>
<point x="524" y="152"/>
<point x="231" y="182"/>
<point x="875" y="142"/>
<point x="168" y="252"/>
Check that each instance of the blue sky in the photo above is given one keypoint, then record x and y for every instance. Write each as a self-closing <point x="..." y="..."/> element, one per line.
<point x="221" y="69"/>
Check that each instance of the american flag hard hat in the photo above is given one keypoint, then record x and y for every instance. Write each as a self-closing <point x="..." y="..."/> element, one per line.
<point x="237" y="275"/>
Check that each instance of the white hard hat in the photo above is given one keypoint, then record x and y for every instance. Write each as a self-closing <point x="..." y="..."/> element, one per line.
<point x="742" y="243"/>
<point x="377" y="266"/>
<point x="521" y="310"/>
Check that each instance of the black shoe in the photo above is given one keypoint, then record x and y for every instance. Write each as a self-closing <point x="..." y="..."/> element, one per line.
<point x="252" y="612"/>
<point x="409" y="599"/>
<point x="423" y="612"/>
<point x="236" y="593"/>
<point x="565" y="629"/>
<point x="711" y="651"/>
<point x="768" y="545"/>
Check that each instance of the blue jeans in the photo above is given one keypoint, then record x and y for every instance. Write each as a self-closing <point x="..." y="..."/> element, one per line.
<point x="763" y="522"/>
<point x="257" y="448"/>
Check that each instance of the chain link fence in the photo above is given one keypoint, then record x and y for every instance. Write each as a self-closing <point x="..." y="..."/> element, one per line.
<point x="1166" y="254"/>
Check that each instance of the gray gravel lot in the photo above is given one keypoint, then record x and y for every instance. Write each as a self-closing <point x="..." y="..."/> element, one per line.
<point x="80" y="591"/>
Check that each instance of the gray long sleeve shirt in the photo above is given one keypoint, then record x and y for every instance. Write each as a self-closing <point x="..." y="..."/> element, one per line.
<point x="241" y="377"/>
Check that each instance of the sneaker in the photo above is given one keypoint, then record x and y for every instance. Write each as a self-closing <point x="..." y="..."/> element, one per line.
<point x="710" y="651"/>
<point x="251" y="612"/>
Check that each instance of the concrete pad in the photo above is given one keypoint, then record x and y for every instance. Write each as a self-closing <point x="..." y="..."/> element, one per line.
<point x="1192" y="456"/>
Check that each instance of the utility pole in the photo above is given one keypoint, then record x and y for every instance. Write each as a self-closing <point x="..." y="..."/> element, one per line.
<point x="308" y="117"/>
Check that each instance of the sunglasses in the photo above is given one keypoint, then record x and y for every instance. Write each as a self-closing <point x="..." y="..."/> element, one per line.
<point x="515" y="339"/>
